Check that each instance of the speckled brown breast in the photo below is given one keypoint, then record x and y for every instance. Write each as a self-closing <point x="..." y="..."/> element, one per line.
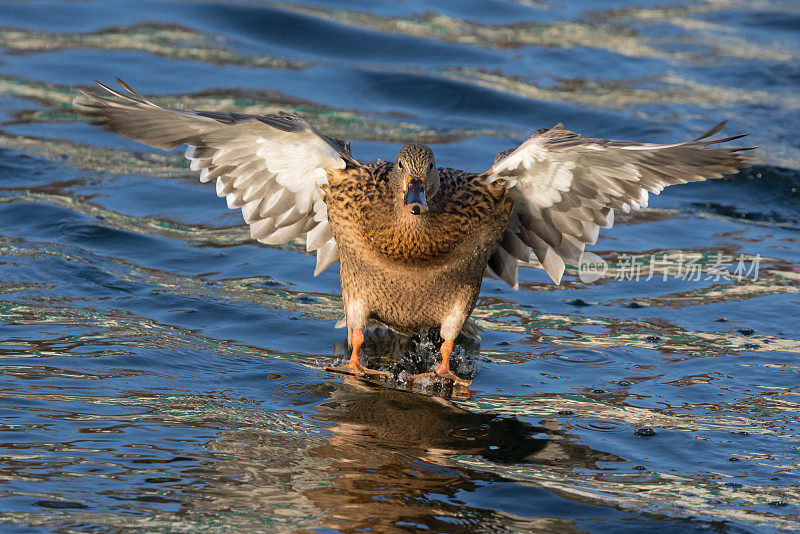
<point x="412" y="270"/>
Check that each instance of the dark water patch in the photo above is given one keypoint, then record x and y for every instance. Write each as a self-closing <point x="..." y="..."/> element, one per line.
<point x="781" y="187"/>
<point x="433" y="94"/>
<point x="310" y="36"/>
<point x="578" y="303"/>
<point x="60" y="505"/>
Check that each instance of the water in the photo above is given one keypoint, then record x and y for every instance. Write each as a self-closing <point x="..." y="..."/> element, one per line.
<point x="160" y="371"/>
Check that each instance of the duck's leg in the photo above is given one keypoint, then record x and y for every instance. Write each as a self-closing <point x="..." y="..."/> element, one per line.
<point x="451" y="326"/>
<point x="354" y="366"/>
<point x="443" y="371"/>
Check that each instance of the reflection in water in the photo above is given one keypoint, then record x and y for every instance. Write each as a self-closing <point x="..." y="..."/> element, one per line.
<point x="387" y="461"/>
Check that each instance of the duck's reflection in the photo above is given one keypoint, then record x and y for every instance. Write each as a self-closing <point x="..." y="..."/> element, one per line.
<point x="390" y="460"/>
<point x="395" y="454"/>
<point x="384" y="459"/>
<point x="432" y="428"/>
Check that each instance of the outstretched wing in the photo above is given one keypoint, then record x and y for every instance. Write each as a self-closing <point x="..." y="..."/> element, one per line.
<point x="565" y="187"/>
<point x="270" y="166"/>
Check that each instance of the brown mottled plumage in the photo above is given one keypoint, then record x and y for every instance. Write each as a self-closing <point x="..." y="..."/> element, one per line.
<point x="411" y="271"/>
<point x="414" y="240"/>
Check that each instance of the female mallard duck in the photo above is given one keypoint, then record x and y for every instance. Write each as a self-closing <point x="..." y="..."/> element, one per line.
<point x="413" y="239"/>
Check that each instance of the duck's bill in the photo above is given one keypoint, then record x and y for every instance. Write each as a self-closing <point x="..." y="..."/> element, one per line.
<point x="415" y="197"/>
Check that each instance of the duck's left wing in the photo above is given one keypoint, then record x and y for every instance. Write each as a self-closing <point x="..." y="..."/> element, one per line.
<point x="565" y="187"/>
<point x="270" y="166"/>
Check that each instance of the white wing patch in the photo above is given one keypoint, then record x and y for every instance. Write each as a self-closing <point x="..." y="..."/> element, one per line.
<point x="565" y="187"/>
<point x="270" y="167"/>
<point x="276" y="183"/>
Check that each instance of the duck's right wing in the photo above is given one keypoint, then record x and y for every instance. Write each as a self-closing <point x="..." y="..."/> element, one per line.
<point x="270" y="166"/>
<point x="566" y="186"/>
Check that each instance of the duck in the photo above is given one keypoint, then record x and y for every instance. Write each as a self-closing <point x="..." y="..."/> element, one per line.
<point x="415" y="240"/>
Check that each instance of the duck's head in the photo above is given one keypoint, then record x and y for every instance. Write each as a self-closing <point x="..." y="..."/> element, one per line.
<point x="415" y="177"/>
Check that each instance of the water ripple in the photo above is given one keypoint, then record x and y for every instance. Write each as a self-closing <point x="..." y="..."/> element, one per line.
<point x="161" y="371"/>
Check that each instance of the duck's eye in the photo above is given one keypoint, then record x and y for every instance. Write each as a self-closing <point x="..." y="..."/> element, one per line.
<point x="400" y="164"/>
<point x="430" y="166"/>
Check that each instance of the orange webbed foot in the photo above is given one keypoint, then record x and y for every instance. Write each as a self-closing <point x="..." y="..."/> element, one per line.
<point x="356" y="369"/>
<point x="441" y="374"/>
<point x="444" y="372"/>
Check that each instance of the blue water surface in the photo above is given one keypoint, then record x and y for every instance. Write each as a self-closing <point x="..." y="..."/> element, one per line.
<point x="159" y="371"/>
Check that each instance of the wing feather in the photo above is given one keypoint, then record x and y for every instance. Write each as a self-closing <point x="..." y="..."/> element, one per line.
<point x="565" y="187"/>
<point x="270" y="166"/>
